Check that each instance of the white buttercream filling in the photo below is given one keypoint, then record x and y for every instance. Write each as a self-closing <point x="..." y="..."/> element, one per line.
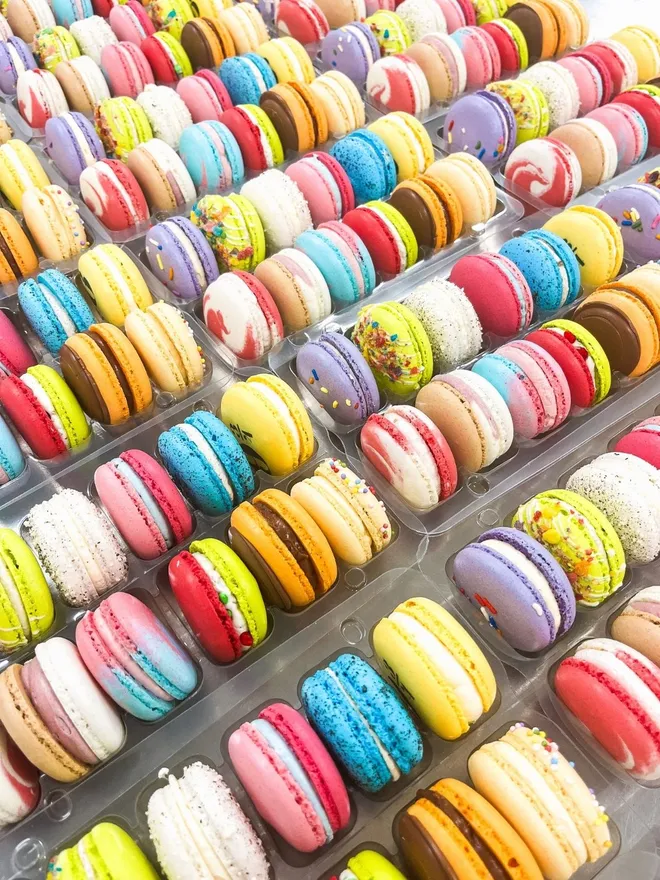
<point x="220" y="586"/>
<point x="421" y="463"/>
<point x="191" y="253"/>
<point x="47" y="404"/>
<point x="532" y="573"/>
<point x="8" y="585"/>
<point x="59" y="311"/>
<point x="268" y="150"/>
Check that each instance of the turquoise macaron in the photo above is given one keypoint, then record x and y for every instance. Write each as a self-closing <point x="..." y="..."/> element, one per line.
<point x="363" y="721"/>
<point x="55" y="308"/>
<point x="212" y="156"/>
<point x="336" y="249"/>
<point x="246" y="77"/>
<point x="12" y="462"/>
<point x="206" y="461"/>
<point x="368" y="163"/>
<point x="549" y="266"/>
<point x="68" y="11"/>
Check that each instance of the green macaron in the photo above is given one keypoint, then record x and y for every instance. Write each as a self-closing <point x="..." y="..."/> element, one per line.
<point x="26" y="606"/>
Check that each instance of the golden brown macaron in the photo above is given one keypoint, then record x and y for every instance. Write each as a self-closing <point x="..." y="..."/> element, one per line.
<point x="297" y="115"/>
<point x="207" y="42"/>
<point x="432" y="209"/>
<point x="17" y="256"/>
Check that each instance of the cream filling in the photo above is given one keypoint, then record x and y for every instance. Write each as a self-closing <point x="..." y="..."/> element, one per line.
<point x="220" y="586"/>
<point x="652" y="594"/>
<point x="7" y="583"/>
<point x="47" y="404"/>
<point x="365" y="45"/>
<point x="192" y="833"/>
<point x="191" y="253"/>
<point x="396" y="236"/>
<point x="389" y="760"/>
<point x="80" y="139"/>
<point x="205" y="450"/>
<point x="532" y="573"/>
<point x="425" y="465"/>
<point x="444" y="661"/>
<point x="347" y="875"/>
<point x="170" y="164"/>
<point x="85" y="861"/>
<point x="59" y="311"/>
<point x="283" y="412"/>
<point x="256" y="73"/>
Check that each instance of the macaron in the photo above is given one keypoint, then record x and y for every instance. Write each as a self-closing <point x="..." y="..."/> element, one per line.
<point x="343" y="12"/>
<point x="241" y="313"/>
<point x="83" y="83"/>
<point x="107" y="847"/>
<point x="411" y="453"/>
<point x="595" y="240"/>
<point x="636" y="625"/>
<point x="432" y="210"/>
<point x="629" y="130"/>
<point x="588" y="80"/>
<point x="482" y="58"/>
<point x="396" y="346"/>
<point x="20" y="782"/>
<point x="170" y="15"/>
<point x="112" y="192"/>
<point x="635" y="208"/>
<point x="581" y="539"/>
<point x="180" y="257"/>
<point x="386" y="234"/>
<point x="449" y="320"/>
<point x="390" y="31"/>
<point x="281" y="207"/>
<point x="581" y="358"/>
<point x="161" y="176"/>
<point x="130" y="22"/>
<point x="539" y="26"/>
<point x="297" y="115"/>
<point x="204" y="95"/>
<point x="206" y="42"/>
<point x="67" y="11"/>
<point x="246" y="77"/>
<point x="135" y="658"/>
<point x="288" y="59"/>
<point x="407" y="140"/>
<point x="167" y="58"/>
<point x="233" y="229"/>
<point x="518" y="587"/>
<point x="472" y="184"/>
<point x="12" y="463"/>
<point x="54" y="307"/>
<point x="421" y="17"/>
<point x="594" y="146"/>
<point x="106" y="374"/>
<point x="510" y="42"/>
<point x="284" y="548"/>
<point x="368" y="163"/>
<point x="17" y="256"/>
<point x="642" y="44"/>
<point x="167" y="113"/>
<point x="546" y="169"/>
<point x="27" y="605"/>
<point x="559" y="89"/>
<point x="15" y="57"/>
<point x="114" y="283"/>
<point x="303" y="20"/>
<point x="27" y="17"/>
<point x="220" y="599"/>
<point x="442" y="825"/>
<point x="56" y="713"/>
<point x="45" y="412"/>
<point x="549" y="265"/>
<point x="350" y="49"/>
<point x="341" y="102"/>
<point x="529" y="105"/>
<point x="270" y="422"/>
<point x="642" y="441"/>
<point x="92" y="35"/>
<point x="16" y="356"/>
<point x="622" y="719"/>
<point x="121" y="124"/>
<point x="324" y="185"/>
<point x="646" y="104"/>
<point x="39" y="96"/>
<point x="256" y="136"/>
<point x="53" y="220"/>
<point x="297" y="288"/>
<point x="482" y="124"/>
<point x="367" y="863"/>
<point x="363" y="721"/>
<point x="212" y="156"/>
<point x="342" y="258"/>
<point x="72" y="144"/>
<point x="471" y="415"/>
<point x="290" y="777"/>
<point x="126" y="69"/>
<point x="520" y="774"/>
<point x="397" y="82"/>
<point x="207" y="463"/>
<point x="246" y="26"/>
<point x="417" y="645"/>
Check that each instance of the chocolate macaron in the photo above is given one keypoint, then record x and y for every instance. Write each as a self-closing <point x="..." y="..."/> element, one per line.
<point x="431" y="208"/>
<point x="207" y="43"/>
<point x="297" y="115"/>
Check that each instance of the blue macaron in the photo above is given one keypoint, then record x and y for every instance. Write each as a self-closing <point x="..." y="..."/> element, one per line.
<point x="181" y="257"/>
<point x="68" y="11"/>
<point x="246" y="77"/>
<point x="369" y="164"/>
<point x="212" y="156"/>
<point x="12" y="462"/>
<point x="547" y="267"/>
<point x="565" y="254"/>
<point x="72" y="143"/>
<point x="360" y="716"/>
<point x="55" y="308"/>
<point x="15" y="57"/>
<point x="324" y="249"/>
<point x="205" y="460"/>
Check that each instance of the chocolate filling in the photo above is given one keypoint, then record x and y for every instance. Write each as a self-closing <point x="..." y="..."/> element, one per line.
<point x="293" y="543"/>
<point x="116" y="366"/>
<point x="8" y="254"/>
<point x="421" y="853"/>
<point x="282" y="118"/>
<point x="273" y="591"/>
<point x="83" y="385"/>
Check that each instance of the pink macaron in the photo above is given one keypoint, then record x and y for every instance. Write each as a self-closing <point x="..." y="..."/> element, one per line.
<point x="144" y="503"/>
<point x="628" y="128"/>
<point x="457" y="14"/>
<point x="19" y="782"/>
<point x="111" y="192"/>
<point x="303" y="20"/>
<point x="325" y="186"/>
<point x="482" y="57"/>
<point x="130" y="22"/>
<point x="398" y="83"/>
<point x="603" y="71"/>
<point x="205" y="95"/>
<point x="619" y="61"/>
<point x="643" y="441"/>
<point x="648" y="107"/>
<point x="291" y="778"/>
<point x="614" y="691"/>
<point x="15" y="354"/>
<point x="588" y="80"/>
<point x="126" y="69"/>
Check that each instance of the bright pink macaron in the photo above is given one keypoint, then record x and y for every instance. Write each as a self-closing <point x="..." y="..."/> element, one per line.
<point x="291" y="778"/>
<point x="615" y="692"/>
<point x="648" y="107"/>
<point x="643" y="441"/>
<point x="603" y="71"/>
<point x="205" y="95"/>
<point x="627" y="127"/>
<point x="588" y="80"/>
<point x="126" y="69"/>
<point x="130" y="22"/>
<point x="111" y="191"/>
<point x="304" y="20"/>
<point x="15" y="354"/>
<point x="545" y="382"/>
<point x="482" y="57"/>
<point x="144" y="503"/>
<point x="325" y="186"/>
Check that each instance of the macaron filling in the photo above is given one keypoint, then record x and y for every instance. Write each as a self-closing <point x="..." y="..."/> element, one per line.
<point x="127" y="473"/>
<point x="579" y="347"/>
<point x="205" y="451"/>
<point x="227" y="598"/>
<point x="48" y="406"/>
<point x="294" y="545"/>
<point x="283" y="413"/>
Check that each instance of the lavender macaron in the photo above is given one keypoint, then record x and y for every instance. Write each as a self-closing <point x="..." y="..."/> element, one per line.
<point x="181" y="257"/>
<point x="635" y="209"/>
<point x="518" y="586"/>
<point x="482" y="124"/>
<point x="338" y="377"/>
<point x="72" y="144"/>
<point x="15" y="57"/>
<point x="351" y="49"/>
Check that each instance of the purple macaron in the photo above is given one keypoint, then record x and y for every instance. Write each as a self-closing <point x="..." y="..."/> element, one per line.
<point x="15" y="57"/>
<point x="335" y="373"/>
<point x="518" y="586"/>
<point x="181" y="257"/>
<point x="482" y="124"/>
<point x="635" y="209"/>
<point x="72" y="144"/>
<point x="351" y="49"/>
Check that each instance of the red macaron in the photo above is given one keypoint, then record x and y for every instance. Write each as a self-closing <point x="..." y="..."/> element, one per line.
<point x="643" y="441"/>
<point x="603" y="71"/>
<point x="648" y="106"/>
<point x="15" y="354"/>
<point x="111" y="191"/>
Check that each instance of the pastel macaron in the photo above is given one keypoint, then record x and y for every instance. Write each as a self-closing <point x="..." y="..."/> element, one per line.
<point x="546" y="169"/>
<point x="594" y="147"/>
<point x="482" y="58"/>
<point x="204" y="95"/>
<point x="220" y="599"/>
<point x="483" y="125"/>
<point x="73" y="144"/>
<point x="53" y="219"/>
<point x="15" y="57"/>
<point x="212" y="156"/>
<point x="167" y="57"/>
<point x="12" y="462"/>
<point x="397" y="82"/>
<point x="297" y="287"/>
<point x="126" y="69"/>
<point x="290" y="777"/>
<point x="166" y="112"/>
<point x="114" y="283"/>
<point x="634" y="208"/>
<point x="407" y="140"/>
<point x="246" y="26"/>
<point x="20" y="170"/>
<point x="207" y="463"/>
<point x="549" y="266"/>
<point x="363" y="721"/>
<point x="409" y="643"/>
<point x="130" y="22"/>
<point x="350" y="49"/>
<point x="518" y="587"/>
<point x="637" y="623"/>
<point x="27" y="605"/>
<point x="39" y="96"/>
<point x="342" y="258"/>
<point x="282" y="208"/>
<point x="180" y="257"/>
<point x="246" y="77"/>
<point x="162" y="176"/>
<point x="134" y="657"/>
<point x="472" y="184"/>
<point x="54" y="307"/>
<point x="595" y="240"/>
<point x="83" y="83"/>
<point x="143" y="503"/>
<point x="324" y="185"/>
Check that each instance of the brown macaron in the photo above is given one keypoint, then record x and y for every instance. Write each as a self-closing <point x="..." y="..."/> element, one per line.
<point x="297" y="115"/>
<point x="207" y="43"/>
<point x="17" y="256"/>
<point x="431" y="208"/>
<point x="539" y="27"/>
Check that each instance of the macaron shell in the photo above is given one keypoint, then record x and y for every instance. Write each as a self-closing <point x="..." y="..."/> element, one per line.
<point x="595" y="240"/>
<point x="643" y="441"/>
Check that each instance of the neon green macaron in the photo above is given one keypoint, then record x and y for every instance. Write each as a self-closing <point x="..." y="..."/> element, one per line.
<point x="63" y="401"/>
<point x="519" y="40"/>
<point x="26" y="606"/>
<point x="122" y="124"/>
<point x="402" y="227"/>
<point x="108" y="851"/>
<point x="370" y="865"/>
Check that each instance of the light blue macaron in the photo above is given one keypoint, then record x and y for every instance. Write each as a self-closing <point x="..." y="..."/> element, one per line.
<point x="12" y="462"/>
<point x="369" y="164"/>
<point x="207" y="463"/>
<point x="55" y="308"/>
<point x="68" y="11"/>
<point x="342" y="282"/>
<point x="543" y="268"/>
<point x="355" y="710"/>
<point x="246" y="77"/>
<point x="565" y="254"/>
<point x="212" y="156"/>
